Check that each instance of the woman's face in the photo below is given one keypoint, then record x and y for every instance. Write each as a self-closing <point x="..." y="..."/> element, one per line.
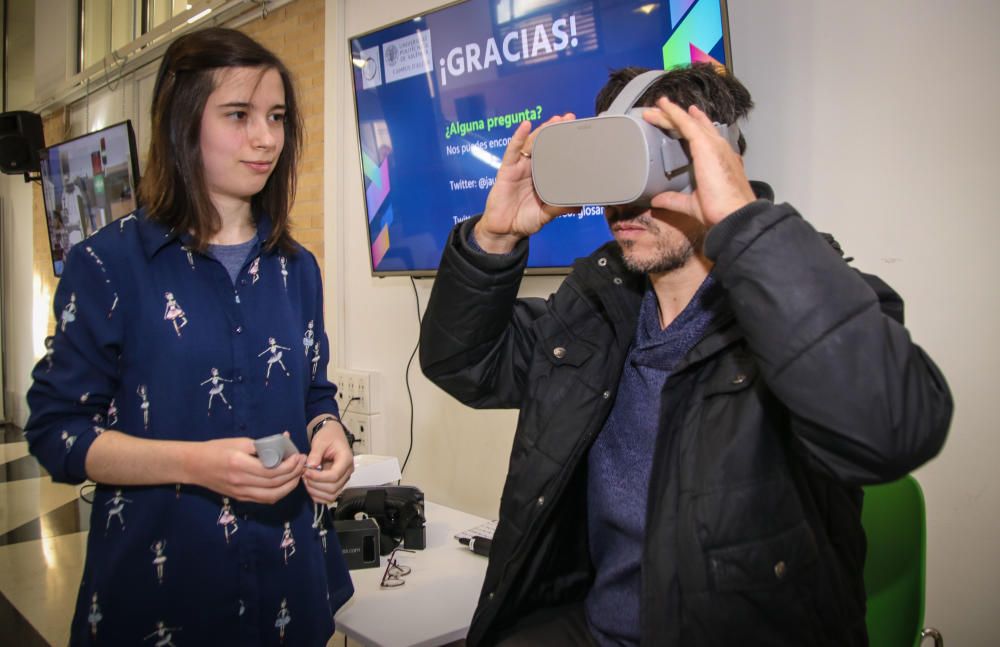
<point x="242" y="133"/>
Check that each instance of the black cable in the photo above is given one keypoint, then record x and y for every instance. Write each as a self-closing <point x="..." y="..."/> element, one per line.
<point x="409" y="393"/>
<point x="91" y="489"/>
<point x="348" y="406"/>
<point x="351" y="438"/>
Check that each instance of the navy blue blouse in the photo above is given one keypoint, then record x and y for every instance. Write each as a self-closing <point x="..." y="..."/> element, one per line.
<point x="155" y="340"/>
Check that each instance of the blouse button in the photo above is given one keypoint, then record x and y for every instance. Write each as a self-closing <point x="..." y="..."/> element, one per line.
<point x="602" y="261"/>
<point x="559" y="352"/>
<point x="617" y="281"/>
<point x="740" y="378"/>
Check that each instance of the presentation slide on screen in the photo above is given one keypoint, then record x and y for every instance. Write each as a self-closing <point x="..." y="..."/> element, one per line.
<point x="439" y="96"/>
<point x="86" y="183"/>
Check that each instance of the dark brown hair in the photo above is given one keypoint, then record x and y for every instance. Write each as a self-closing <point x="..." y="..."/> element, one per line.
<point x="173" y="187"/>
<point x="723" y="98"/>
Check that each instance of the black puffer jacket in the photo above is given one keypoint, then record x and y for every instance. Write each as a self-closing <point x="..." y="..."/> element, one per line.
<point x="802" y="393"/>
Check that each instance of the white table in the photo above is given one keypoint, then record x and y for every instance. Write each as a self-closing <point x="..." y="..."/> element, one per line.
<point x="435" y="605"/>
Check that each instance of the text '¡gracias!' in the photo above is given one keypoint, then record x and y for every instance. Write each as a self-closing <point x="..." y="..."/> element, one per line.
<point x="517" y="45"/>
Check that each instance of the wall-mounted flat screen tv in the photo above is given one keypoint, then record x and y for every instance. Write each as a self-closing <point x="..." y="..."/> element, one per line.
<point x="87" y="182"/>
<point x="438" y="95"/>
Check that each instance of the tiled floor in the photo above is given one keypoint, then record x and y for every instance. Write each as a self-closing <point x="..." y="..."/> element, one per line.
<point x="42" y="544"/>
<point x="43" y="532"/>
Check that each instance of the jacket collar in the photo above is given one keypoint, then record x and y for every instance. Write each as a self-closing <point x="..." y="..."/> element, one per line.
<point x="613" y="288"/>
<point x="598" y="272"/>
<point x="621" y="302"/>
<point x="155" y="235"/>
<point x="762" y="190"/>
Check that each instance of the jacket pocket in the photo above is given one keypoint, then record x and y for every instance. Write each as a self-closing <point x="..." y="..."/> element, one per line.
<point x="559" y="387"/>
<point x="736" y="372"/>
<point x="763" y="563"/>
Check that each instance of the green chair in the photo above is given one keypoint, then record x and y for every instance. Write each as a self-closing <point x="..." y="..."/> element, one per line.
<point x="894" y="522"/>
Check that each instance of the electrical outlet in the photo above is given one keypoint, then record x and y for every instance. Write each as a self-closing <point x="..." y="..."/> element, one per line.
<point x="356" y="390"/>
<point x="367" y="430"/>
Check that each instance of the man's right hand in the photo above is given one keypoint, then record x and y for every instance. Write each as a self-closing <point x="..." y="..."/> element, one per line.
<point x="230" y="467"/>
<point x="513" y="209"/>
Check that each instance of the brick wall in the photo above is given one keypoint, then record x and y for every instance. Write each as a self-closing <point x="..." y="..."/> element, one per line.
<point x="295" y="32"/>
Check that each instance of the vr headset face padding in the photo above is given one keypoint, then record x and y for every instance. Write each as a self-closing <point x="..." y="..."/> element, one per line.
<point x="614" y="158"/>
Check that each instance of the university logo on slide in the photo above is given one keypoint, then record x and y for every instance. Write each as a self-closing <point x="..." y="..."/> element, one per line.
<point x="371" y="68"/>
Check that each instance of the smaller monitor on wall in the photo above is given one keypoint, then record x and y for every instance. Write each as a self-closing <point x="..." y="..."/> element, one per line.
<point x="87" y="182"/>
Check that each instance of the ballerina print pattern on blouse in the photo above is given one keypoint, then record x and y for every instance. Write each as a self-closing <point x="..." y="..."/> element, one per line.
<point x="308" y="339"/>
<point x="275" y="349"/>
<point x="147" y="386"/>
<point x="159" y="548"/>
<point x="144" y="405"/>
<point x="94" y="615"/>
<point x="284" y="617"/>
<point x="315" y="360"/>
<point x="117" y="503"/>
<point x="287" y="544"/>
<point x="190" y="255"/>
<point x="123" y="221"/>
<point x="68" y="313"/>
<point x="163" y="635"/>
<point x="218" y="384"/>
<point x="104" y="274"/>
<point x="254" y="271"/>
<point x="227" y="520"/>
<point x="174" y="313"/>
<point x="112" y="414"/>
<point x="50" y="350"/>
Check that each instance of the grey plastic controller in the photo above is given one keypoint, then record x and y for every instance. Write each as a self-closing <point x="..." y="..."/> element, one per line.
<point x="271" y="450"/>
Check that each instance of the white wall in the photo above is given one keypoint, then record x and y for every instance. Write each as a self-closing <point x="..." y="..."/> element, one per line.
<point x="876" y="119"/>
<point x="55" y="35"/>
<point x="872" y="119"/>
<point x="24" y="305"/>
<point x="459" y="455"/>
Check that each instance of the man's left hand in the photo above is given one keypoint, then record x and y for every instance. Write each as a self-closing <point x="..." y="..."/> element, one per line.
<point x="330" y="463"/>
<point x="722" y="185"/>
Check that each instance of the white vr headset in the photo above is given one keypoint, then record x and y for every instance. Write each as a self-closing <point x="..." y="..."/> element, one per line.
<point x="615" y="157"/>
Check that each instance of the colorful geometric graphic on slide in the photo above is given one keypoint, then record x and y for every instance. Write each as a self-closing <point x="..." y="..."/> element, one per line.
<point x="377" y="179"/>
<point x="698" y="32"/>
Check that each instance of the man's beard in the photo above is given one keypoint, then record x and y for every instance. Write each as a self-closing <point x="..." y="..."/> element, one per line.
<point x="664" y="259"/>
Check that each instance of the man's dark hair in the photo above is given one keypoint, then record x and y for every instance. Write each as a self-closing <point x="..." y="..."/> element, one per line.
<point x="723" y="98"/>
<point x="173" y="187"/>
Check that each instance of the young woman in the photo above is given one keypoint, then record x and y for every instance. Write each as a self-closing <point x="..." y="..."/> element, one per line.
<point x="194" y="296"/>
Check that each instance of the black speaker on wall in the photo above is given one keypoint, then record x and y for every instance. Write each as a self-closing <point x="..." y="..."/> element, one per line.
<point x="21" y="139"/>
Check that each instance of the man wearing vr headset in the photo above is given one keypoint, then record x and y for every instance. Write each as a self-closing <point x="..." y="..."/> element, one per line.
<point x="701" y="400"/>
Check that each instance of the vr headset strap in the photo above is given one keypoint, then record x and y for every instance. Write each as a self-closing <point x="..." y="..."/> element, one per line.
<point x="632" y="91"/>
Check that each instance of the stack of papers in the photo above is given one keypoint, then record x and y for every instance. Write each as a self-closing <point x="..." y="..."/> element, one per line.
<point x="371" y="470"/>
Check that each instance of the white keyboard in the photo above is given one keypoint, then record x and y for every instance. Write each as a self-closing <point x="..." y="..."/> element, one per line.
<point x="484" y="530"/>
